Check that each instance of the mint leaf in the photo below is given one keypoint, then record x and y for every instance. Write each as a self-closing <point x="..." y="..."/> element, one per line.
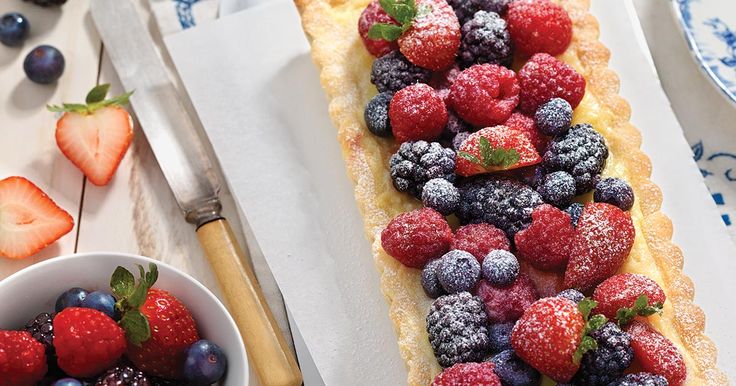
<point x="469" y="157"/>
<point x="593" y="323"/>
<point x="97" y="94"/>
<point x="596" y="321"/>
<point x="491" y="157"/>
<point x="511" y="157"/>
<point x="385" y="31"/>
<point x="586" y="306"/>
<point x="641" y="308"/>
<point x="586" y="344"/>
<point x="486" y="152"/>
<point x="122" y="282"/>
<point x="402" y="11"/>
<point x="136" y="327"/>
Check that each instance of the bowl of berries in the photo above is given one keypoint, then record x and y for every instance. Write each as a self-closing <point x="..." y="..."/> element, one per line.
<point x="101" y="319"/>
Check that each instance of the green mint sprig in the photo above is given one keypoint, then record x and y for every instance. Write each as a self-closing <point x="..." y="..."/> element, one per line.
<point x="592" y="323"/>
<point x="94" y="101"/>
<point x="641" y="308"/>
<point x="131" y="297"/>
<point x="491" y="156"/>
<point x="403" y="11"/>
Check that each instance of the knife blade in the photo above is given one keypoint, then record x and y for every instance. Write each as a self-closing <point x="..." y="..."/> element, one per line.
<point x="189" y="172"/>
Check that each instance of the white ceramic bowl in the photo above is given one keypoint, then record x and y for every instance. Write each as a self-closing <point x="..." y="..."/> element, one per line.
<point x="35" y="289"/>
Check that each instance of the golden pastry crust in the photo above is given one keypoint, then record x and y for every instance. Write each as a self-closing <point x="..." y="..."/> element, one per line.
<point x="337" y="50"/>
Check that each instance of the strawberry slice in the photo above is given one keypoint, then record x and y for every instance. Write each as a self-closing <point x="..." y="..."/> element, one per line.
<point x="495" y="149"/>
<point x="545" y="244"/>
<point x="603" y="240"/>
<point x="657" y="354"/>
<point x="627" y="295"/>
<point x="29" y="219"/>
<point x="96" y="135"/>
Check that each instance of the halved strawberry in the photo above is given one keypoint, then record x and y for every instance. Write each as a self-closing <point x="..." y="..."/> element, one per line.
<point x="29" y="219"/>
<point x="96" y="135"/>
<point x="495" y="149"/>
<point x="657" y="354"/>
<point x="603" y="239"/>
<point x="619" y="297"/>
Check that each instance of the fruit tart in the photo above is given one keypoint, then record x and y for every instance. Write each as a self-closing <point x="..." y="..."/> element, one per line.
<point x="519" y="238"/>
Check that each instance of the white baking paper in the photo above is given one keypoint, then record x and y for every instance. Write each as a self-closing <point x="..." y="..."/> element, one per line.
<point x="257" y="93"/>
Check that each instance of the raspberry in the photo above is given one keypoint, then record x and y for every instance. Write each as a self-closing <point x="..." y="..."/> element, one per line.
<point x="608" y="361"/>
<point x="434" y="36"/>
<point x="373" y="14"/>
<point x="614" y="191"/>
<point x="582" y="153"/>
<point x="456" y="325"/>
<point x="513" y="371"/>
<point x="416" y="237"/>
<point x="640" y="379"/>
<point x="393" y="71"/>
<point x="543" y="77"/>
<point x="506" y="304"/>
<point x="441" y="195"/>
<point x="500" y="268"/>
<point x="22" y="359"/>
<point x="539" y="26"/>
<point x="430" y="282"/>
<point x="485" y="39"/>
<point x="656" y="354"/>
<point x="500" y="336"/>
<point x="480" y="239"/>
<point x="458" y="271"/>
<point x="415" y="163"/>
<point x="622" y="290"/>
<point x="485" y="94"/>
<point x="466" y="9"/>
<point x="417" y="112"/>
<point x="526" y="125"/>
<point x="554" y="117"/>
<point x="572" y="295"/>
<point x="557" y="188"/>
<point x="468" y="374"/>
<point x="376" y="114"/>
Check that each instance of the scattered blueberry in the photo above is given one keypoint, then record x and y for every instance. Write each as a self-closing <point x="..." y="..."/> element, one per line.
<point x="441" y="195"/>
<point x="554" y="117"/>
<point x="205" y="363"/>
<point x="102" y="301"/>
<point x="557" y="188"/>
<point x="571" y="294"/>
<point x="458" y="271"/>
<point x="67" y="382"/>
<point x="44" y="64"/>
<point x="376" y="114"/>
<point x="14" y="29"/>
<point x="575" y="210"/>
<point x="72" y="297"/>
<point x="513" y="371"/>
<point x="500" y="336"/>
<point x="500" y="268"/>
<point x="614" y="191"/>
<point x="430" y="283"/>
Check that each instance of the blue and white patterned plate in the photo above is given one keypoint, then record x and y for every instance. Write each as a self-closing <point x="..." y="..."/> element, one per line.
<point x="710" y="31"/>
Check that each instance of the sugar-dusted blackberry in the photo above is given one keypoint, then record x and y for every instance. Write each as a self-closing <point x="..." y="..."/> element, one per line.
<point x="455" y="126"/>
<point x="571" y="294"/>
<point x="614" y="191"/>
<point x="430" y="283"/>
<point x="500" y="268"/>
<point x="123" y="376"/>
<point x="557" y="188"/>
<point x="500" y="336"/>
<point x="441" y="195"/>
<point x="41" y="329"/>
<point x="376" y="114"/>
<point x="46" y="3"/>
<point x="465" y="9"/>
<point x="608" y="362"/>
<point x="640" y="379"/>
<point x="458" y="271"/>
<point x="459" y="138"/>
<point x="513" y="371"/>
<point x="503" y="202"/>
<point x="417" y="162"/>
<point x="582" y="152"/>
<point x="393" y="71"/>
<point x="554" y="117"/>
<point x="485" y="39"/>
<point x="575" y="210"/>
<point x="457" y="328"/>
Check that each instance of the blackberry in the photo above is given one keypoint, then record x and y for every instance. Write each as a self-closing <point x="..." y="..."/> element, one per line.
<point x="500" y="268"/>
<point x="458" y="271"/>
<point x="503" y="202"/>
<point x="485" y="39"/>
<point x="575" y="210"/>
<point x="640" y="379"/>
<point x="500" y="336"/>
<point x="457" y="330"/>
<point x="441" y="195"/>
<point x="42" y="329"/>
<point x="614" y="191"/>
<point x="554" y="117"/>
<point x="608" y="362"/>
<point x="455" y="125"/>
<point x="513" y="371"/>
<point x="571" y="294"/>
<point x="46" y="3"/>
<point x="557" y="188"/>
<point x="465" y="9"/>
<point x="582" y="152"/>
<point x="392" y="72"/>
<point x="376" y="114"/>
<point x="458" y="140"/>
<point x="123" y="376"/>
<point x="430" y="283"/>
<point x="415" y="163"/>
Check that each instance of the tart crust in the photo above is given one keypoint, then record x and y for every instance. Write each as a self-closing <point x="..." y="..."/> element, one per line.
<point x="331" y="26"/>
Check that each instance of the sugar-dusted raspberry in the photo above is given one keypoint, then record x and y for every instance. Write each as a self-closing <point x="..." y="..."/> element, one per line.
<point x="434" y="36"/>
<point x="485" y="40"/>
<point x="546" y="242"/>
<point x="526" y="125"/>
<point x="416" y="237"/>
<point x="392" y="72"/>
<point x="547" y="283"/>
<point x="544" y="77"/>
<point x="371" y="15"/>
<point x="468" y="374"/>
<point x="539" y="26"/>
<point x="506" y="304"/>
<point x="485" y="94"/>
<point x="480" y="239"/>
<point x="417" y="112"/>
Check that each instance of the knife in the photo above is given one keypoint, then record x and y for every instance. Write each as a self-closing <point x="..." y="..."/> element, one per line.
<point x="190" y="174"/>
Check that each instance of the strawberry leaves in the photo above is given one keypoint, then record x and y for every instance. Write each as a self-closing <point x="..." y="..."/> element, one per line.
<point x="641" y="308"/>
<point x="592" y="323"/>
<point x="490" y="156"/>
<point x="94" y="101"/>
<point x="403" y="11"/>
<point x="130" y="298"/>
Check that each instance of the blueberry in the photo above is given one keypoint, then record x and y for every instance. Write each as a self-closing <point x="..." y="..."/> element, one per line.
<point x="554" y="117"/>
<point x="500" y="268"/>
<point x="72" y="297"/>
<point x="513" y="371"/>
<point x="430" y="283"/>
<point x="575" y="210"/>
<point x="14" y="29"/>
<point x="102" y="301"/>
<point x="557" y="188"/>
<point x="571" y="294"/>
<point x="205" y="363"/>
<point x="614" y="191"/>
<point x="44" y="64"/>
<point x="67" y="382"/>
<point x="458" y="271"/>
<point x="441" y="195"/>
<point x="376" y="114"/>
<point x="500" y="336"/>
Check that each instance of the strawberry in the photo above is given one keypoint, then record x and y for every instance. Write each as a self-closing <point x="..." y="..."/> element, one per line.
<point x="657" y="354"/>
<point x="494" y="149"/>
<point x="22" y="359"/>
<point x="87" y="341"/>
<point x="371" y="15"/>
<point x="545" y="244"/>
<point x="627" y="295"/>
<point x="526" y="125"/>
<point x="96" y="135"/>
<point x="603" y="239"/>
<point x="29" y="219"/>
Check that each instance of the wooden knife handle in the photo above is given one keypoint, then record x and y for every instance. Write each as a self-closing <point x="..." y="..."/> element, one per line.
<point x="267" y="350"/>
